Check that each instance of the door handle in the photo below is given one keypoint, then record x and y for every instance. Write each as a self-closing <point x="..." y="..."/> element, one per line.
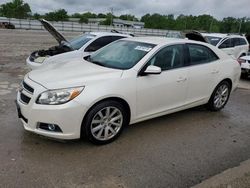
<point x="215" y="72"/>
<point x="181" y="79"/>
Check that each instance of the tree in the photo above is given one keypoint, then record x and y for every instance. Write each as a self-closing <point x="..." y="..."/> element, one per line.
<point x="128" y="17"/>
<point x="15" y="9"/>
<point x="108" y="20"/>
<point x="58" y="15"/>
<point x="100" y="15"/>
<point x="37" y="16"/>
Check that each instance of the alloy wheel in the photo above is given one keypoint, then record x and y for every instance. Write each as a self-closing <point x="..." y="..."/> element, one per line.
<point x="106" y="123"/>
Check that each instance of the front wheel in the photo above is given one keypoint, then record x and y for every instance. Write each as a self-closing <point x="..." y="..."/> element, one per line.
<point x="105" y="122"/>
<point x="219" y="97"/>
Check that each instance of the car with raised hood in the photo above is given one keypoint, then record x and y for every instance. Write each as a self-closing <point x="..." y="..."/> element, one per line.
<point x="82" y="45"/>
<point x="233" y="44"/>
<point x="125" y="82"/>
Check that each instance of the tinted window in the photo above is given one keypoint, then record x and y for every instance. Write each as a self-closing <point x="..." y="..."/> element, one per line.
<point x="99" y="43"/>
<point x="236" y="41"/>
<point x="78" y="42"/>
<point x="121" y="54"/>
<point x="213" y="40"/>
<point x="242" y="41"/>
<point x="169" y="57"/>
<point x="226" y="44"/>
<point x="200" y="54"/>
<point x="114" y="38"/>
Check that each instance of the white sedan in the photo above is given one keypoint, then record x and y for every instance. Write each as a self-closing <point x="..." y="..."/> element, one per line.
<point x="77" y="47"/>
<point x="128" y="81"/>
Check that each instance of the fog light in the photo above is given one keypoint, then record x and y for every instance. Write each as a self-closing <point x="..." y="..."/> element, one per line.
<point x="49" y="127"/>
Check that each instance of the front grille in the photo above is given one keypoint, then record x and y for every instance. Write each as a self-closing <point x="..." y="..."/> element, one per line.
<point x="25" y="99"/>
<point x="27" y="88"/>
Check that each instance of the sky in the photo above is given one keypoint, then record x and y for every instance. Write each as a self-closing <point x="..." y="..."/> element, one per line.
<point x="217" y="8"/>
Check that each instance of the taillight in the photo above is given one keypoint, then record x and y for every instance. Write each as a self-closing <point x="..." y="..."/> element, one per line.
<point x="240" y="61"/>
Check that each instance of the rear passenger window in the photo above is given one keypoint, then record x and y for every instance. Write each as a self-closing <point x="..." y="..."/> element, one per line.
<point x="243" y="41"/>
<point x="236" y="41"/>
<point x="200" y="54"/>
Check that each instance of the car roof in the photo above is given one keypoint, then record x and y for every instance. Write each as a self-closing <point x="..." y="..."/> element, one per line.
<point x="158" y="40"/>
<point x="221" y="35"/>
<point x="98" y="33"/>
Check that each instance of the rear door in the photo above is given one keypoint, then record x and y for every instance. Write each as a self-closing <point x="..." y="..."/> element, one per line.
<point x="202" y="72"/>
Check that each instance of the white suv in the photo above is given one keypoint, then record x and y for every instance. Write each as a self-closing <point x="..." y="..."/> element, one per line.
<point x="234" y="45"/>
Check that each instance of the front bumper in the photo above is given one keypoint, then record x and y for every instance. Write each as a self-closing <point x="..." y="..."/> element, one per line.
<point x="67" y="116"/>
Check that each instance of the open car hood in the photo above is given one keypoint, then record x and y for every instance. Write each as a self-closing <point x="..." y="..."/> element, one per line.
<point x="195" y="35"/>
<point x="52" y="30"/>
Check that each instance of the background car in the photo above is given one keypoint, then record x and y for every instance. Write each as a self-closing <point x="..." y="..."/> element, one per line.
<point x="86" y="43"/>
<point x="245" y="66"/>
<point x="128" y="81"/>
<point x="7" y="25"/>
<point x="233" y="44"/>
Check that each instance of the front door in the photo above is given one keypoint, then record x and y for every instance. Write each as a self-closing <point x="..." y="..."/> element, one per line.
<point x="162" y="92"/>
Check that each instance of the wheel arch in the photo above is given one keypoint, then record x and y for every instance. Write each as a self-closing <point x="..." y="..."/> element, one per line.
<point x="229" y="80"/>
<point x="113" y="98"/>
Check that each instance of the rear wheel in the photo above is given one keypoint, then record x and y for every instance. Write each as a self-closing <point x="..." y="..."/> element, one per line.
<point x="105" y="122"/>
<point x="220" y="96"/>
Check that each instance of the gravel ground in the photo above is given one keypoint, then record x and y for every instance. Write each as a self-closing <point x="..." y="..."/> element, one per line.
<point x="178" y="150"/>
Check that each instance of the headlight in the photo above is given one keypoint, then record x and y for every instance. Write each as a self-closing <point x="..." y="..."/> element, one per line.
<point x="59" y="96"/>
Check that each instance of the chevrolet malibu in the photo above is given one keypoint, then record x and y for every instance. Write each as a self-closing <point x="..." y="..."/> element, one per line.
<point x="128" y="81"/>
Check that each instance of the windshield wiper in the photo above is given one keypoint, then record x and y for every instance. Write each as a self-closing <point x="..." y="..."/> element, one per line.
<point x="88" y="58"/>
<point x="98" y="63"/>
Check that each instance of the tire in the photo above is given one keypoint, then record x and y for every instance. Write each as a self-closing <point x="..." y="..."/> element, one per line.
<point x="218" y="101"/>
<point x="105" y="122"/>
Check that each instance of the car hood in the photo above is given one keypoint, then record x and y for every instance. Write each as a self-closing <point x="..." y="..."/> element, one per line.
<point x="197" y="36"/>
<point x="64" y="57"/>
<point x="53" y="31"/>
<point x="72" y="74"/>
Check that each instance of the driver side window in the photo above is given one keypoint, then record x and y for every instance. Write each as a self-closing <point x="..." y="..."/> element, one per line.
<point x="169" y="57"/>
<point x="99" y="43"/>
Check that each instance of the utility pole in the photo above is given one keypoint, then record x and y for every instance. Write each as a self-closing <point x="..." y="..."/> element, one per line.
<point x="111" y="20"/>
<point x="240" y="25"/>
<point x="211" y="24"/>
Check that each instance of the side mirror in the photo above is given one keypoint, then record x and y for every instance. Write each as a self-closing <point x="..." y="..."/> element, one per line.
<point x="151" y="69"/>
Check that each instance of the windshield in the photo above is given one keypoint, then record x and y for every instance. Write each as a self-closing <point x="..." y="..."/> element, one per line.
<point x="213" y="40"/>
<point x="78" y="42"/>
<point x="121" y="54"/>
